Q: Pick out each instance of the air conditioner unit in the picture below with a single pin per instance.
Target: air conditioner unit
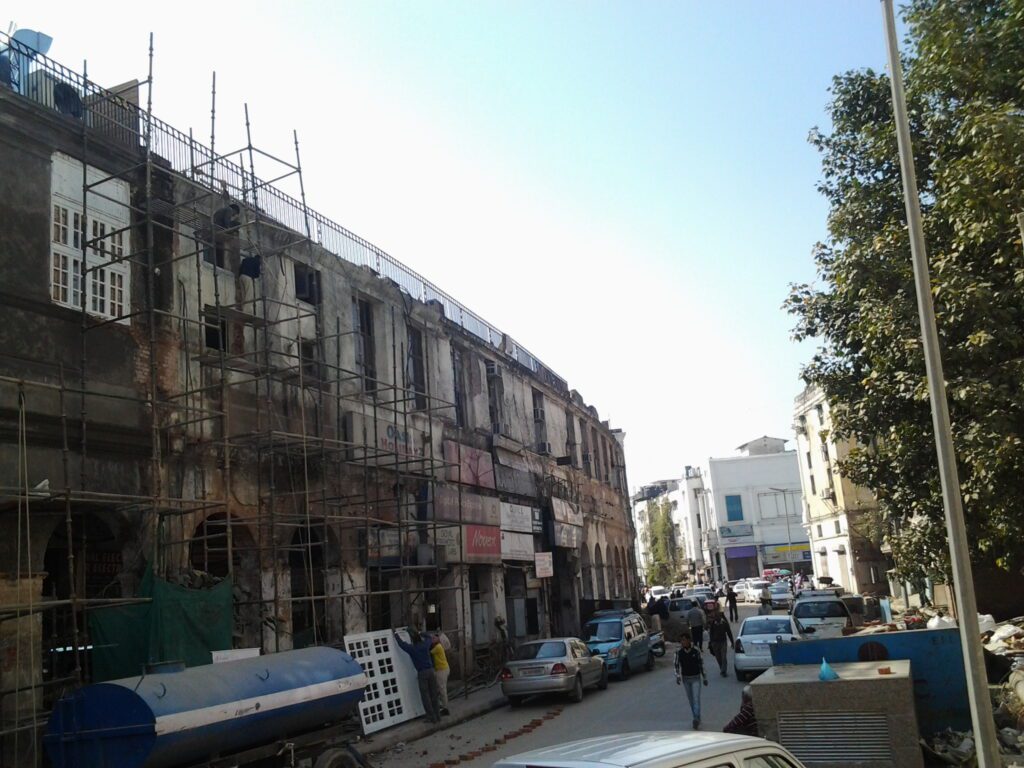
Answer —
(827, 494)
(538, 414)
(493, 371)
(544, 449)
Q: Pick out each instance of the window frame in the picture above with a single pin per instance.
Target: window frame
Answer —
(729, 510)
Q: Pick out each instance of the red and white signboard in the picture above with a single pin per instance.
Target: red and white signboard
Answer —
(544, 565)
(482, 543)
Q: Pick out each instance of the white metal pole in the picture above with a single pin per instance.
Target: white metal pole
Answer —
(959, 554)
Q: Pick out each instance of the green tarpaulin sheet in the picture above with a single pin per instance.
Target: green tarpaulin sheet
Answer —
(180, 624)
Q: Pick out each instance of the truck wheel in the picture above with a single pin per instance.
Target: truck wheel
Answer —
(336, 758)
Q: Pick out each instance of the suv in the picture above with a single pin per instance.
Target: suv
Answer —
(620, 638)
(825, 615)
(658, 749)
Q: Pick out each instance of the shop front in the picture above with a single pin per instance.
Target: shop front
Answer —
(795, 558)
(523, 595)
(741, 562)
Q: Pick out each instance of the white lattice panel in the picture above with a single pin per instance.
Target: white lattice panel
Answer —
(392, 694)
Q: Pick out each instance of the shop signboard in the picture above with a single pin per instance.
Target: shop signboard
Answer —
(543, 565)
(568, 536)
(384, 436)
(482, 543)
(786, 553)
(468, 465)
(382, 546)
(735, 531)
(735, 553)
(566, 512)
(516, 517)
(483, 510)
(516, 546)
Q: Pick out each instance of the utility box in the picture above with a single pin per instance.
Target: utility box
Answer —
(865, 718)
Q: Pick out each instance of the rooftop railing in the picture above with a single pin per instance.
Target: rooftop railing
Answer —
(117, 119)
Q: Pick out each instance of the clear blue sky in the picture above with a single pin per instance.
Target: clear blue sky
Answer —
(625, 188)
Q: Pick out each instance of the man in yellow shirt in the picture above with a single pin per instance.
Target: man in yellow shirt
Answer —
(441, 670)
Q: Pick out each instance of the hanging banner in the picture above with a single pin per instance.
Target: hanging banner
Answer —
(568, 536)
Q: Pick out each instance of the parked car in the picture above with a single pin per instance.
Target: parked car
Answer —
(557, 665)
(701, 594)
(824, 614)
(658, 592)
(781, 596)
(657, 749)
(620, 638)
(857, 608)
(754, 642)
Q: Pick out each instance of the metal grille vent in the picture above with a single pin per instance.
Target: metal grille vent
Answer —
(818, 737)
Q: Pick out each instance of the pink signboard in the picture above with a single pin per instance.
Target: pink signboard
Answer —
(468, 465)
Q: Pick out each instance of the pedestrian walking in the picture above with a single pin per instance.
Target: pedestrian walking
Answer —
(441, 671)
(719, 639)
(731, 599)
(695, 618)
(689, 668)
(419, 652)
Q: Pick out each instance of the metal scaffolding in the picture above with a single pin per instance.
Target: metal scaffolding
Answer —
(246, 385)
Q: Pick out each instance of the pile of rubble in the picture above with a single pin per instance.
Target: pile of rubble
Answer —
(1004, 652)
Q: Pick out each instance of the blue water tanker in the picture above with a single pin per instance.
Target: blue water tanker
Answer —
(179, 718)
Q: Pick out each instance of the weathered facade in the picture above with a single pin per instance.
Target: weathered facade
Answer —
(202, 379)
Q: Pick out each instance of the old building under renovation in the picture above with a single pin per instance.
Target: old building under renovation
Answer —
(227, 422)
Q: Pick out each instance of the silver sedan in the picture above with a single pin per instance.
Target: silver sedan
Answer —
(558, 665)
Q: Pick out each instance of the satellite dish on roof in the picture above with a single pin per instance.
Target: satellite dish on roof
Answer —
(36, 42)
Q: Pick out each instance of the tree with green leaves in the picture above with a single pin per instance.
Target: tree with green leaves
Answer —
(964, 67)
(664, 566)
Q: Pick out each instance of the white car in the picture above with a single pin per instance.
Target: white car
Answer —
(658, 749)
(659, 592)
(752, 590)
(754, 643)
(823, 615)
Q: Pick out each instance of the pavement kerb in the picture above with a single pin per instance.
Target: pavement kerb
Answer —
(411, 732)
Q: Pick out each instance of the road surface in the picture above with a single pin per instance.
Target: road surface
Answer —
(647, 701)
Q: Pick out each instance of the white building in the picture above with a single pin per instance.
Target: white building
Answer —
(837, 512)
(757, 519)
(693, 516)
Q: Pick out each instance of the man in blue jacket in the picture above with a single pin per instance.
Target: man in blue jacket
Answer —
(419, 653)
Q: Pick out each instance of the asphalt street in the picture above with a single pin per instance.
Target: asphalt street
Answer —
(647, 701)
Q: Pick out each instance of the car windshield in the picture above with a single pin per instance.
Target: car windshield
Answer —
(782, 588)
(549, 650)
(820, 609)
(757, 585)
(767, 626)
(600, 631)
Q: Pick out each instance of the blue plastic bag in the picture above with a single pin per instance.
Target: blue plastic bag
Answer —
(827, 673)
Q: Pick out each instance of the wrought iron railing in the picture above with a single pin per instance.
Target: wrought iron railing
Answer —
(117, 119)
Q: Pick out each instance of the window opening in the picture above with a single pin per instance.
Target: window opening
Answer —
(366, 355)
(415, 373)
(307, 284)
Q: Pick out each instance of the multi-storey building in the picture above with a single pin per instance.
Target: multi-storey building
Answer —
(837, 513)
(204, 381)
(757, 519)
(687, 501)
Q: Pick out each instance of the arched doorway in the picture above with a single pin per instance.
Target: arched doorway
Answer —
(98, 559)
(306, 563)
(599, 569)
(208, 552)
(587, 573)
(620, 571)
